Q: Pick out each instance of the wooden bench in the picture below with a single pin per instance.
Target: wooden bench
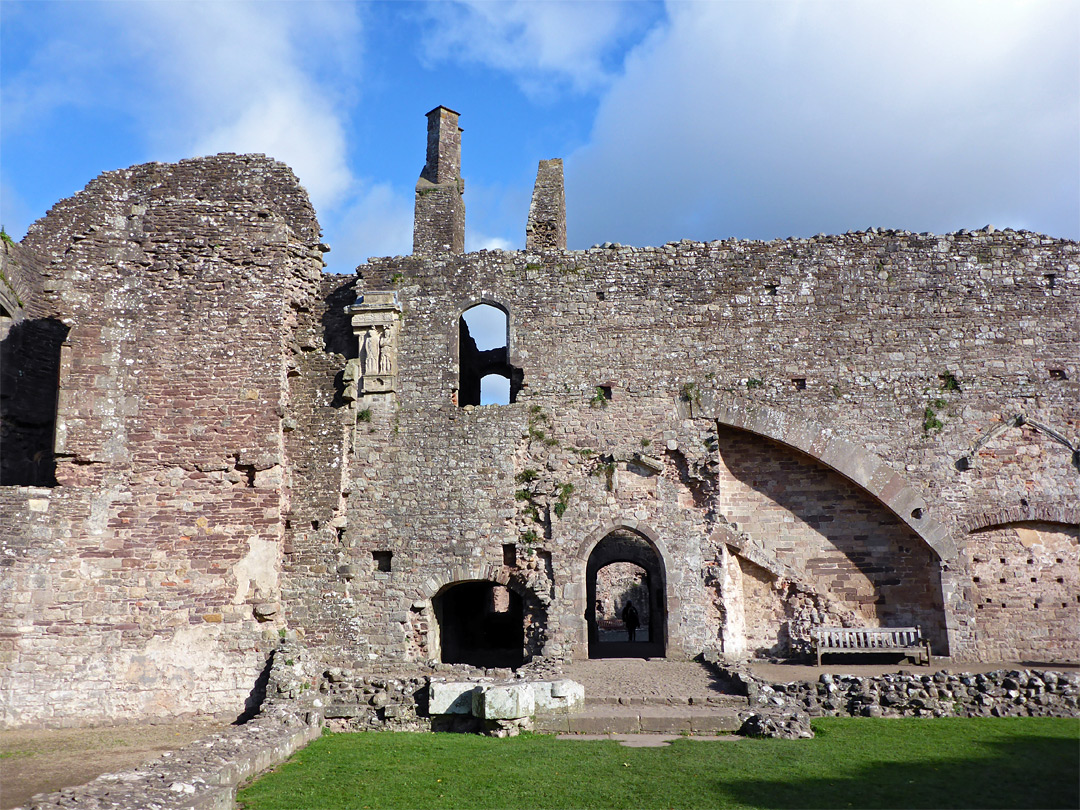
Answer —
(851, 640)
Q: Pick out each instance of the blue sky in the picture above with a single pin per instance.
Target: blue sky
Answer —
(680, 120)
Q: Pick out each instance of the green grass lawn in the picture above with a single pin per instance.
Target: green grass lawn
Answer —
(980, 763)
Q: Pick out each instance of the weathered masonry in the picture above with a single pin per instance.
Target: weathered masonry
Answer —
(208, 442)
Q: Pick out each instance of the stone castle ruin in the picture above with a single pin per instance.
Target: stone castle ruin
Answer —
(209, 444)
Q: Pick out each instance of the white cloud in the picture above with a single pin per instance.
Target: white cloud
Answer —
(537, 42)
(764, 120)
(240, 77)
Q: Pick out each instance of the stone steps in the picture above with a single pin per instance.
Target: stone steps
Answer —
(613, 718)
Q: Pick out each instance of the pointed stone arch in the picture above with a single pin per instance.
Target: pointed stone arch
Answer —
(857, 464)
(627, 541)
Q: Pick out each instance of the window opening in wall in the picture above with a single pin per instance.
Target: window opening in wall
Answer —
(1058, 374)
(604, 391)
(770, 289)
(510, 554)
(1051, 280)
(486, 376)
(29, 387)
(494, 390)
(382, 560)
(799, 383)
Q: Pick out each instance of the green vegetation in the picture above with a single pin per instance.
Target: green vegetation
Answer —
(753, 383)
(690, 393)
(949, 382)
(606, 469)
(364, 415)
(947, 763)
(599, 399)
(5, 237)
(397, 278)
(931, 423)
(565, 491)
(525, 476)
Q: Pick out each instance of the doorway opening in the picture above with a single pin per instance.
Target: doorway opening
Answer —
(625, 568)
(480, 623)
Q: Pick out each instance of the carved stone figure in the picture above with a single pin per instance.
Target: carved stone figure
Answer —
(371, 351)
(386, 352)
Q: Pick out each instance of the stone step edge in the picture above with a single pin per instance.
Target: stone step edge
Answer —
(721, 701)
(655, 721)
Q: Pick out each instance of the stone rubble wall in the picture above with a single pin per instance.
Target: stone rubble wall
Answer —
(847, 429)
(874, 337)
(147, 583)
(201, 776)
(546, 226)
(1002, 693)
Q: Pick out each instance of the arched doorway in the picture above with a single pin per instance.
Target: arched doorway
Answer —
(480, 623)
(625, 567)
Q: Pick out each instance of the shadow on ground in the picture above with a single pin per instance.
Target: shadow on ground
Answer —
(1028, 772)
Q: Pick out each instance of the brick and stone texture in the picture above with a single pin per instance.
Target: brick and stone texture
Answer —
(853, 429)
(147, 582)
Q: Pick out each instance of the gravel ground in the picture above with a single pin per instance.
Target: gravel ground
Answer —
(660, 679)
(656, 679)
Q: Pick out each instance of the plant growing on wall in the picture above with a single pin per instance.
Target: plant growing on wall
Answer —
(931, 422)
(690, 393)
(949, 382)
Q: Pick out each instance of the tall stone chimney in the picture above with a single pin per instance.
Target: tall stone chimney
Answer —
(546, 228)
(439, 218)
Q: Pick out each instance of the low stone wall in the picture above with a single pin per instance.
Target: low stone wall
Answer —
(201, 776)
(1003, 693)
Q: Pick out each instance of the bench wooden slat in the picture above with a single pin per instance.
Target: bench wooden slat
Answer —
(868, 639)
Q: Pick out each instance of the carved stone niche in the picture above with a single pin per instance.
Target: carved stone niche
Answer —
(375, 322)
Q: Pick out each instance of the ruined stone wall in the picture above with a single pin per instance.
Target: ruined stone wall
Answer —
(147, 581)
(1025, 589)
(839, 429)
(911, 347)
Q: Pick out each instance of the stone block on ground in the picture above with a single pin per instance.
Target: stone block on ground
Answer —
(452, 697)
(508, 702)
(558, 695)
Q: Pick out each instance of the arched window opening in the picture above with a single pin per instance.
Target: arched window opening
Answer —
(487, 378)
(625, 568)
(481, 624)
(494, 390)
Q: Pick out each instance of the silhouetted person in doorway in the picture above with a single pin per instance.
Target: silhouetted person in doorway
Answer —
(630, 619)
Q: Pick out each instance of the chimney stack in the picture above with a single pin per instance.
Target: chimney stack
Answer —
(439, 214)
